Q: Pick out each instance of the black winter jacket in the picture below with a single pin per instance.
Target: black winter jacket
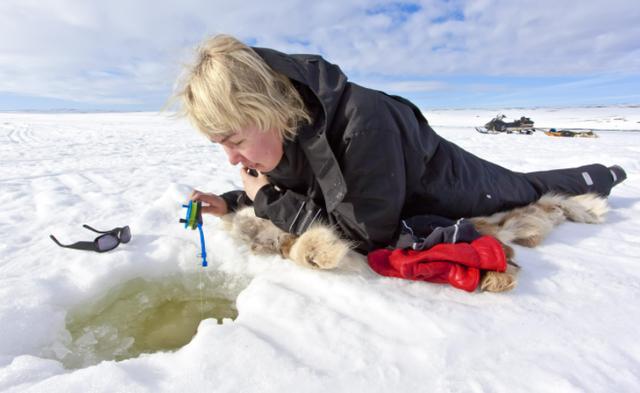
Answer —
(370, 159)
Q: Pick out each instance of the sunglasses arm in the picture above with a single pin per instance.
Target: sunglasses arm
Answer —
(90, 246)
(95, 230)
(57, 242)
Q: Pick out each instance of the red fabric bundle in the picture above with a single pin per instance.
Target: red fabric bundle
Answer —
(458, 264)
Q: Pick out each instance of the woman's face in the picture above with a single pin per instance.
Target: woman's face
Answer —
(253, 148)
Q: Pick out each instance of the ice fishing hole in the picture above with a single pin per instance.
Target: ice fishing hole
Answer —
(145, 316)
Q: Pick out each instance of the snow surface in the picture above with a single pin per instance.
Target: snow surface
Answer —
(569, 326)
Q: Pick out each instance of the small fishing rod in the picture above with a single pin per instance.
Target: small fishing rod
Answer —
(193, 220)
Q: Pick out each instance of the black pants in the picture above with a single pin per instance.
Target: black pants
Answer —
(460, 184)
(594, 178)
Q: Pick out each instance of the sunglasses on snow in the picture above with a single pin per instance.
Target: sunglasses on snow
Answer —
(105, 242)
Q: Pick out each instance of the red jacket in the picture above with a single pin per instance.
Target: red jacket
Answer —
(458, 264)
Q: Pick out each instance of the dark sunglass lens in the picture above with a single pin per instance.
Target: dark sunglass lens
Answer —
(125, 235)
(107, 242)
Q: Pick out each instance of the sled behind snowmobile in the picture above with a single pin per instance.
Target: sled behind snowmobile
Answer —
(569, 133)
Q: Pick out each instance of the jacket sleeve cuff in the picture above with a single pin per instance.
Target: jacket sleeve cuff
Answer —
(289, 211)
(236, 200)
(265, 196)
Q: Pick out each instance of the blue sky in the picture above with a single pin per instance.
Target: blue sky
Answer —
(127, 54)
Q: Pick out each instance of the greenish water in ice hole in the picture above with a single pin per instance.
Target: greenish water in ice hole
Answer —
(144, 316)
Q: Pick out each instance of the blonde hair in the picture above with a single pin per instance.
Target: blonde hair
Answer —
(231, 87)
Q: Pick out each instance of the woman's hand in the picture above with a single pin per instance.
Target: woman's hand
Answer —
(252, 184)
(211, 203)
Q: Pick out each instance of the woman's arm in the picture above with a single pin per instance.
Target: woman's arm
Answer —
(372, 162)
(217, 205)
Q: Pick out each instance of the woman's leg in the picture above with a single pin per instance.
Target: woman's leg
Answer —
(594, 178)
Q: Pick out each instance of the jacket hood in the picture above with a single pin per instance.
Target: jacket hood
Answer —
(327, 82)
(324, 79)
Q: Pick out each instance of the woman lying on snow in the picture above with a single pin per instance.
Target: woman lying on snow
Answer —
(328, 150)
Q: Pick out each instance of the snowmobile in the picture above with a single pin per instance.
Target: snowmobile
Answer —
(524, 125)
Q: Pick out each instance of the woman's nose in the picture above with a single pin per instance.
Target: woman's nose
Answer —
(234, 157)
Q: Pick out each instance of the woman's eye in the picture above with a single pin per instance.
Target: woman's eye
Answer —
(237, 143)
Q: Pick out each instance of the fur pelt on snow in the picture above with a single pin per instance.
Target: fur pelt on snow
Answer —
(529, 225)
(321, 247)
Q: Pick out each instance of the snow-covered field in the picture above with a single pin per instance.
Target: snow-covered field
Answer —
(570, 326)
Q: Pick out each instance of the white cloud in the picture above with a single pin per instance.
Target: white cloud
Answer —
(408, 86)
(127, 50)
